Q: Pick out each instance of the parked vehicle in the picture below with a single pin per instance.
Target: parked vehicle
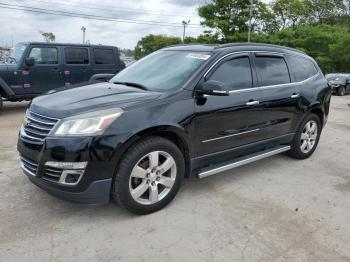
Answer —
(182, 110)
(340, 83)
(36, 68)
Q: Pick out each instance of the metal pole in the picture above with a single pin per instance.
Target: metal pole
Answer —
(184, 32)
(83, 29)
(250, 20)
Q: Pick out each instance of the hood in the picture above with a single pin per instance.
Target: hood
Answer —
(60, 104)
(8, 67)
(3, 67)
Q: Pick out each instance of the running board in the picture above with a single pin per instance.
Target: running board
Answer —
(242, 161)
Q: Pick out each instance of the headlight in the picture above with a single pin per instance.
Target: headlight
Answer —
(87, 124)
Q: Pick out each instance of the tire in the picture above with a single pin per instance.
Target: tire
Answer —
(1, 103)
(341, 91)
(298, 148)
(137, 173)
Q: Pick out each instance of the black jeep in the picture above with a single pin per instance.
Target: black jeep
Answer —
(35, 68)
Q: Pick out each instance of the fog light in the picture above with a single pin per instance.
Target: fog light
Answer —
(71, 177)
(67, 165)
(72, 172)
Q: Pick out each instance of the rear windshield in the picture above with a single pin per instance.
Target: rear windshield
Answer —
(336, 78)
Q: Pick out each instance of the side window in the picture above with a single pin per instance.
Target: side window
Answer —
(301, 68)
(272, 70)
(44, 55)
(235, 74)
(103, 56)
(76, 56)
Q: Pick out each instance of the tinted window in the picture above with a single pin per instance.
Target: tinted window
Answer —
(76, 56)
(301, 68)
(44, 55)
(272, 70)
(103, 56)
(235, 74)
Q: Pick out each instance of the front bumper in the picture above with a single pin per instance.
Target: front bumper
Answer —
(96, 194)
(95, 184)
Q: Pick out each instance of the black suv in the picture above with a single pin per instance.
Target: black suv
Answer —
(182, 110)
(340, 83)
(35, 68)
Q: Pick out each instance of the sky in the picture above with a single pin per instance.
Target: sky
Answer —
(19, 25)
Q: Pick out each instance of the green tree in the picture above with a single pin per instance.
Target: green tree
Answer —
(48, 36)
(228, 17)
(151, 43)
(290, 12)
(322, 10)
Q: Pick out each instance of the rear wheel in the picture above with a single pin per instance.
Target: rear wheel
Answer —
(306, 138)
(149, 175)
(341, 91)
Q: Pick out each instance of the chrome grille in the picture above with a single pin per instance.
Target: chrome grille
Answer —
(37, 127)
(29, 166)
(52, 174)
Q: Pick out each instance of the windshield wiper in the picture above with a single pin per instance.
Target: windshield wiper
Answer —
(132, 84)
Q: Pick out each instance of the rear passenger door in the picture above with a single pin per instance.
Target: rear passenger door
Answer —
(77, 67)
(104, 61)
(279, 96)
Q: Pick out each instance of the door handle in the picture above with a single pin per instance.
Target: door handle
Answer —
(295, 96)
(252, 103)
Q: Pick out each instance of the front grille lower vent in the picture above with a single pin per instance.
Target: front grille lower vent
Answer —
(30, 166)
(52, 174)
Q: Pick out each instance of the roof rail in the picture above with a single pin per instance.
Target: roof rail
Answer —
(256, 44)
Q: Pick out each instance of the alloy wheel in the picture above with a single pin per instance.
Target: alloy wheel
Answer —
(152, 178)
(308, 137)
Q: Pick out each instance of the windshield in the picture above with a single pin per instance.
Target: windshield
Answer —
(18, 51)
(162, 71)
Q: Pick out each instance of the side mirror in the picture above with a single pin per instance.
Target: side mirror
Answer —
(212, 88)
(101, 77)
(30, 61)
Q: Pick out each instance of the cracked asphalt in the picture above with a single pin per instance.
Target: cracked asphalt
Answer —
(277, 209)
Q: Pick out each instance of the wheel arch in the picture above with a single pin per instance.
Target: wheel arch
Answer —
(5, 90)
(319, 112)
(172, 133)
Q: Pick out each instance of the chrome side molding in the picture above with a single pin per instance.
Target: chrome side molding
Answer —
(243, 161)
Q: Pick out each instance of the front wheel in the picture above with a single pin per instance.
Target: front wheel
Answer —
(149, 175)
(306, 138)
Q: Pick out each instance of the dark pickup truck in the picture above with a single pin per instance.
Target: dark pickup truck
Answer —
(35, 68)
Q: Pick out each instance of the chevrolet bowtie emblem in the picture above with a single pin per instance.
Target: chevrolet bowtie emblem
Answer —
(25, 121)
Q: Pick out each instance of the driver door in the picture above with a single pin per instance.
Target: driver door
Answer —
(46, 73)
(227, 122)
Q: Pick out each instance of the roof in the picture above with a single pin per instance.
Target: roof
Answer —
(233, 47)
(64, 44)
